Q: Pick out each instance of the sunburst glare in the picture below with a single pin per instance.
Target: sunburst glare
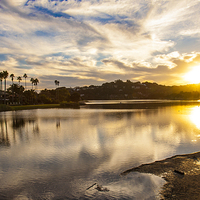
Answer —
(193, 75)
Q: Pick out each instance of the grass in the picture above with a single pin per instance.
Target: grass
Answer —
(66, 104)
(40, 106)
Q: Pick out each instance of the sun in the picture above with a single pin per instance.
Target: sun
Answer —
(193, 76)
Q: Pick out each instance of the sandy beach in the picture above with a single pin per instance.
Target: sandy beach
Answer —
(181, 173)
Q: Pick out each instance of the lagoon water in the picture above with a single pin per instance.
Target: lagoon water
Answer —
(59, 153)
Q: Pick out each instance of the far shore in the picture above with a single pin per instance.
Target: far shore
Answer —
(181, 173)
(140, 104)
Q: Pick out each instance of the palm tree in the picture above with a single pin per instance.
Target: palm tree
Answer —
(36, 81)
(1, 79)
(12, 78)
(57, 83)
(19, 78)
(25, 76)
(32, 81)
(5, 75)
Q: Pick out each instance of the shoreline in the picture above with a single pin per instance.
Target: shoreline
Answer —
(181, 173)
(4, 108)
(140, 104)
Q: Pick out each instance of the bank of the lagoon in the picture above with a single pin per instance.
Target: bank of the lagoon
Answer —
(60, 153)
(4, 107)
(138, 103)
(181, 172)
(106, 104)
(29, 107)
(38, 106)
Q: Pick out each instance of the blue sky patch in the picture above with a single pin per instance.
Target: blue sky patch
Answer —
(60, 54)
(26, 4)
(51, 13)
(3, 57)
(43, 34)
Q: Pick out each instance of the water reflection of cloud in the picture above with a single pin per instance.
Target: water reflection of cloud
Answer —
(91, 143)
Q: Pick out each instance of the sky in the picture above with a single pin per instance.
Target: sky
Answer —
(82, 42)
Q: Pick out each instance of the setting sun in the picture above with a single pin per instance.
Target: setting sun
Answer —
(193, 76)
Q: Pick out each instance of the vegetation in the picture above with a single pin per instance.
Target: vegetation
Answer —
(19, 98)
(4, 107)
(137, 90)
(17, 94)
(66, 104)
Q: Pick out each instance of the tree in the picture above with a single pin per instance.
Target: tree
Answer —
(36, 81)
(63, 94)
(25, 76)
(19, 78)
(5, 75)
(75, 97)
(12, 78)
(16, 88)
(57, 83)
(1, 79)
(32, 82)
(30, 96)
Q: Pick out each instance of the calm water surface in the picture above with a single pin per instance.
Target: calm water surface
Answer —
(59, 153)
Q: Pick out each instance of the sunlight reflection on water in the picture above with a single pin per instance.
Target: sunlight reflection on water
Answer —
(58, 153)
(195, 116)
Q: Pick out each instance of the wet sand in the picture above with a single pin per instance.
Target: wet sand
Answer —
(181, 173)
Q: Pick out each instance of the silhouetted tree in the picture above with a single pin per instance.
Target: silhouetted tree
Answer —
(36, 81)
(5, 75)
(1, 79)
(75, 97)
(25, 76)
(12, 78)
(19, 78)
(57, 84)
(32, 82)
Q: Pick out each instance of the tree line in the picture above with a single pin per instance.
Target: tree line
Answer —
(120, 90)
(19, 94)
(16, 93)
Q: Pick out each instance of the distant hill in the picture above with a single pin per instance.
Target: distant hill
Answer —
(137, 90)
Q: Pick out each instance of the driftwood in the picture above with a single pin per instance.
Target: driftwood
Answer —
(91, 186)
(102, 189)
(178, 172)
(99, 188)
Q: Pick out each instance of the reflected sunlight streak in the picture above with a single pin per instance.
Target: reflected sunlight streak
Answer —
(195, 116)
